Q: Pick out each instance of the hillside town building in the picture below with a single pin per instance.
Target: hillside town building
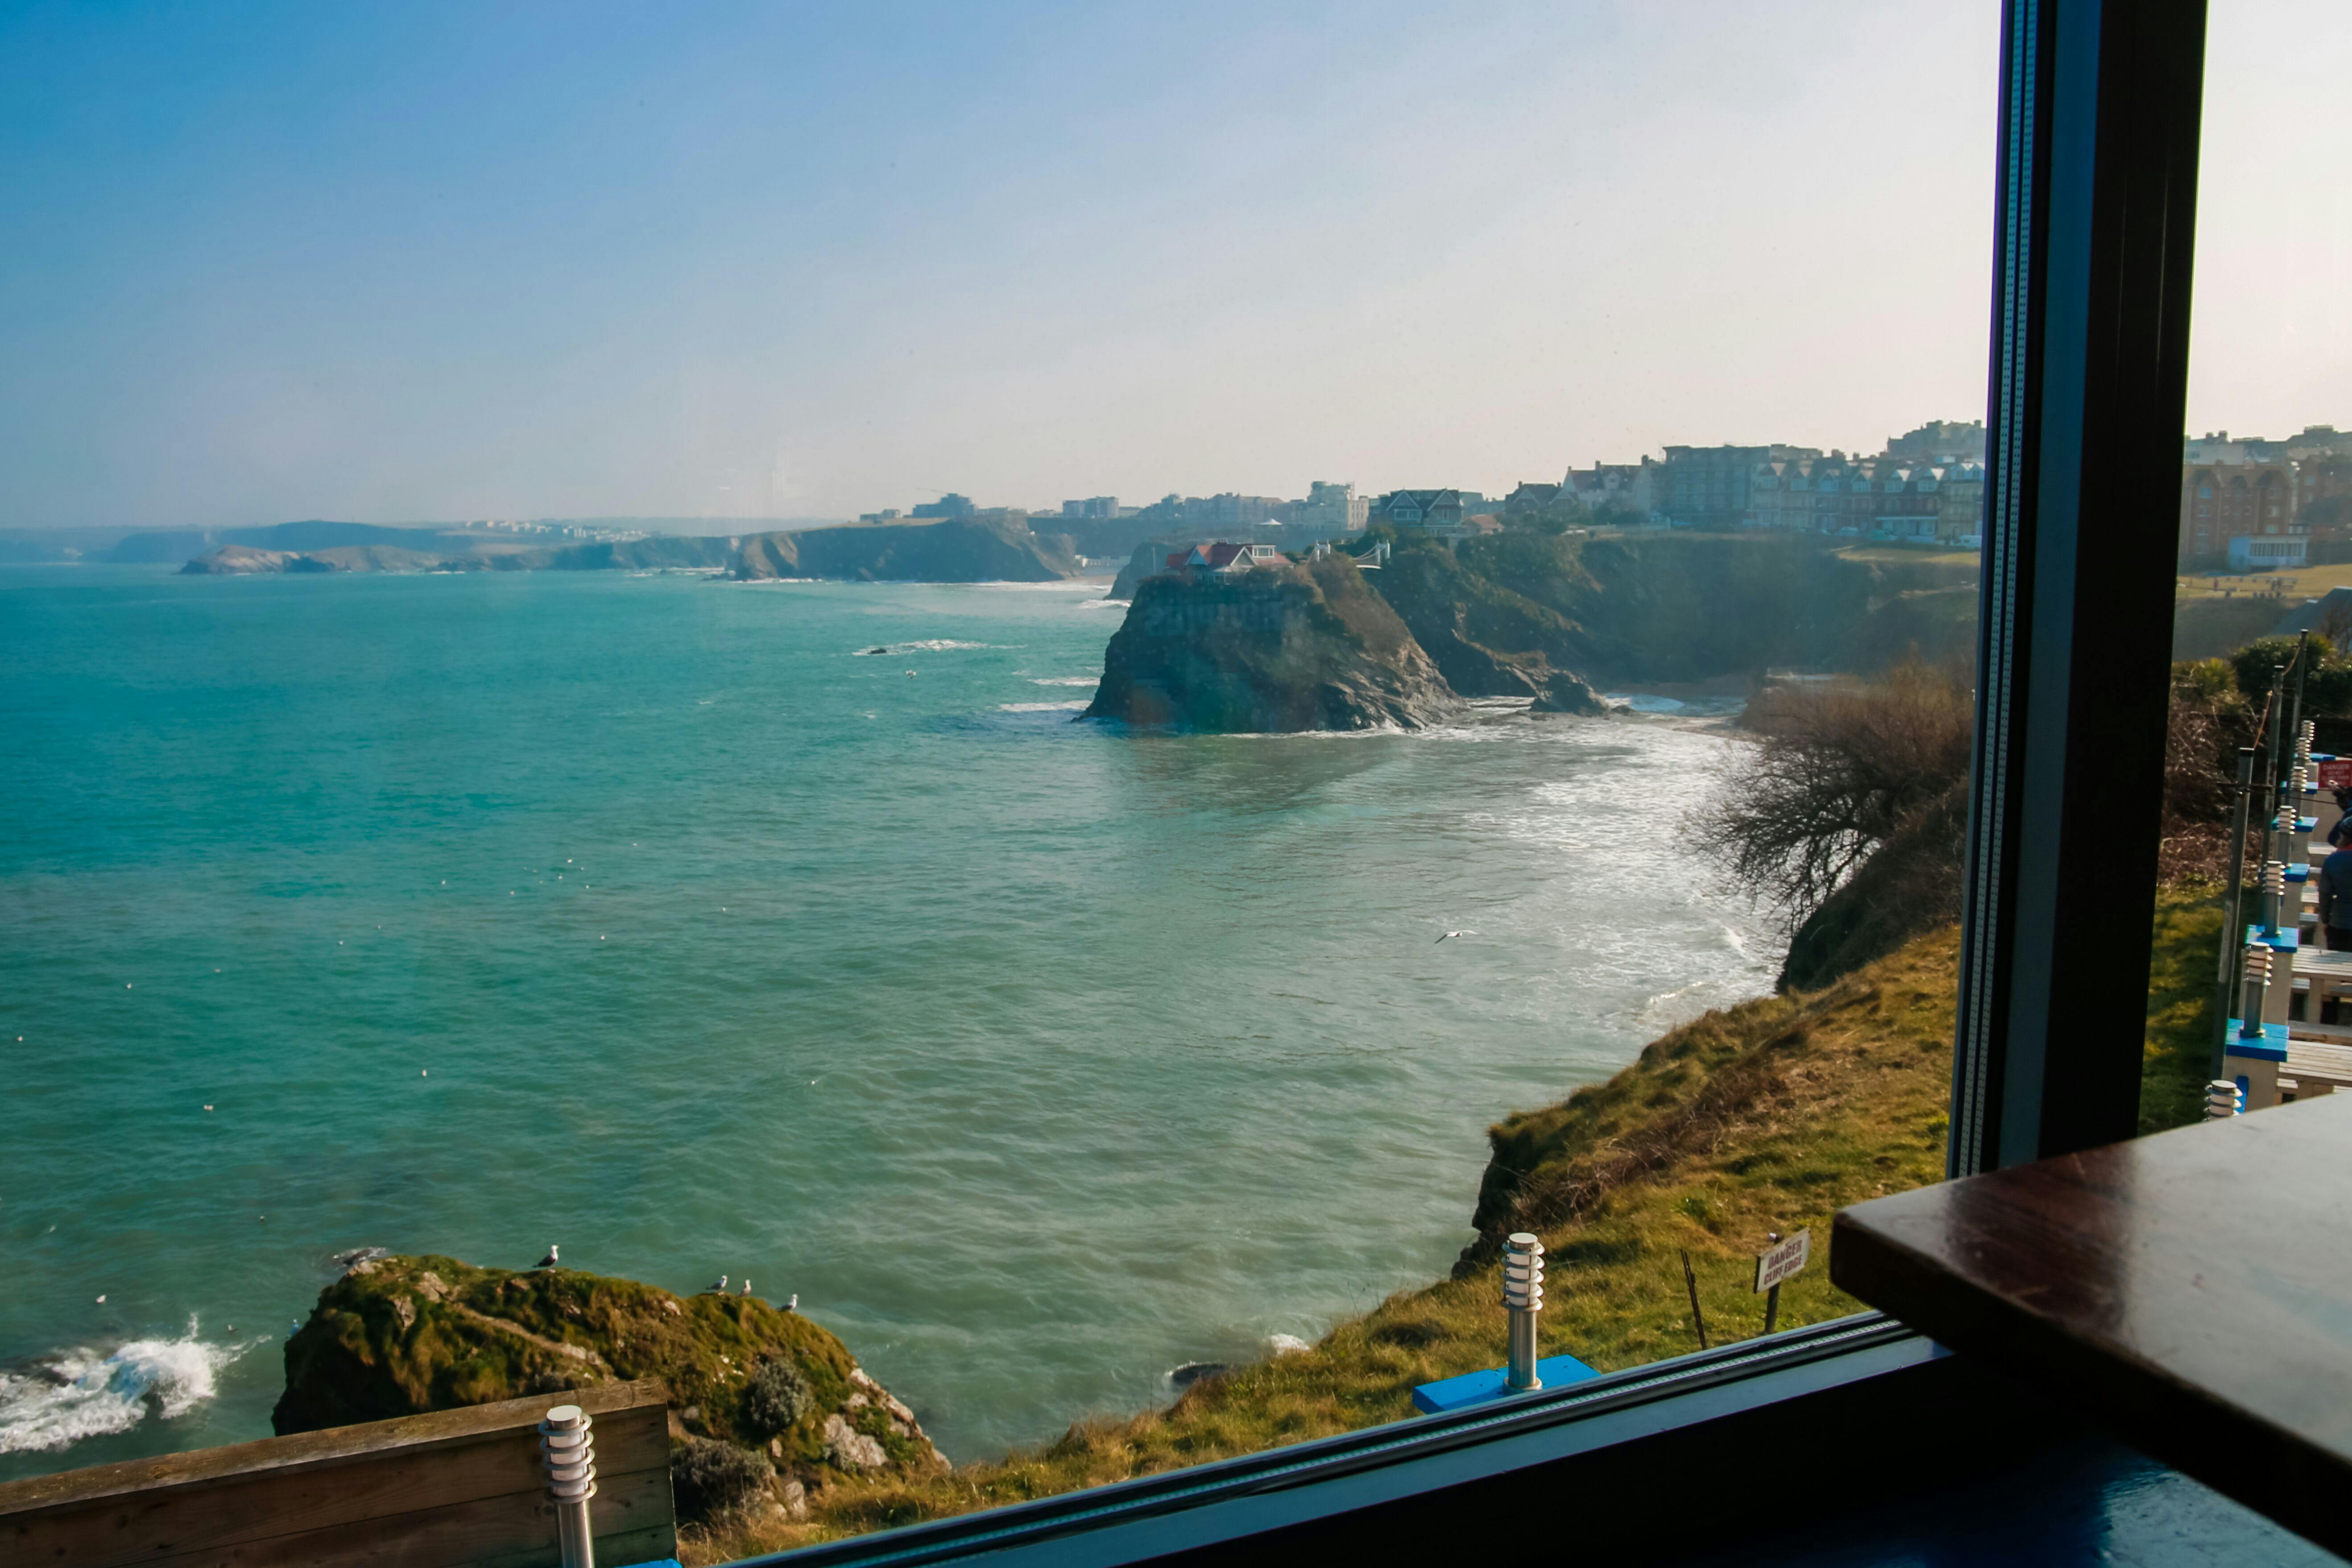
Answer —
(1334, 509)
(1707, 486)
(1870, 497)
(1223, 559)
(1435, 512)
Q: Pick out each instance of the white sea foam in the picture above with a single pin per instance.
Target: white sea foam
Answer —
(65, 1396)
(1105, 604)
(1287, 1344)
(1039, 707)
(1065, 681)
(927, 644)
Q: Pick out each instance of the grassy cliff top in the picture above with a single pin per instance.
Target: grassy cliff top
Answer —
(1771, 1115)
(398, 1336)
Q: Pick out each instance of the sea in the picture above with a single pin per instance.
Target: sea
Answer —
(796, 933)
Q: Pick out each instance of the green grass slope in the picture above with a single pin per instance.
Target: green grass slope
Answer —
(1766, 1116)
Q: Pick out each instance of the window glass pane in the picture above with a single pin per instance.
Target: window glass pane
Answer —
(988, 733)
(2267, 570)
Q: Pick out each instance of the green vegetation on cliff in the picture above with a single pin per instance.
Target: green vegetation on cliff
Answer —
(765, 1404)
(1770, 1115)
(1672, 606)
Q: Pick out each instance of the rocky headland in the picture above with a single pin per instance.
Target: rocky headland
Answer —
(1297, 645)
(1541, 616)
(766, 1407)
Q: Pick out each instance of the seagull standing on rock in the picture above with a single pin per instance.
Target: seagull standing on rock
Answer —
(746, 1285)
(548, 1261)
(721, 1286)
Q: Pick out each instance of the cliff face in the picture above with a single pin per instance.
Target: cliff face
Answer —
(1684, 606)
(242, 561)
(400, 1336)
(1279, 649)
(1486, 639)
(954, 550)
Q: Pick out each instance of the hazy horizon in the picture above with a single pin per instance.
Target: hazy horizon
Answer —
(435, 263)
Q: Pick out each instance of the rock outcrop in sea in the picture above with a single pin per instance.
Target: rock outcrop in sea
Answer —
(765, 1406)
(1305, 646)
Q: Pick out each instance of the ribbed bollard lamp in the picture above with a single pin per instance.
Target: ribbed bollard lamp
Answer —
(2257, 979)
(1523, 1297)
(570, 1459)
(2221, 1100)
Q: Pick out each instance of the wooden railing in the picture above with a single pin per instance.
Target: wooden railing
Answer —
(458, 1489)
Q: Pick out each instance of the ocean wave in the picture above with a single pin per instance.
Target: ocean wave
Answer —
(927, 644)
(1105, 604)
(1039, 707)
(1065, 681)
(59, 1399)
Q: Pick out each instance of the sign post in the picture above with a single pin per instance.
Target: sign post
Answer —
(1781, 1260)
(1698, 1318)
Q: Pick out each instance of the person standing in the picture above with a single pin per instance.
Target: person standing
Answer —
(2336, 898)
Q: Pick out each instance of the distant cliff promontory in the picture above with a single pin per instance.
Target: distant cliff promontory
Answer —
(955, 549)
(1305, 646)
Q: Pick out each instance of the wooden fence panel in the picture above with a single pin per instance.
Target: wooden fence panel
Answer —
(451, 1489)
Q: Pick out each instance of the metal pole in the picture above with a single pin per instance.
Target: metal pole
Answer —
(1523, 1299)
(2232, 934)
(2294, 715)
(1698, 1318)
(571, 1457)
(2277, 716)
(2258, 980)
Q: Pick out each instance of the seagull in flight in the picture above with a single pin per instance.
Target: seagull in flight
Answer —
(1441, 939)
(548, 1261)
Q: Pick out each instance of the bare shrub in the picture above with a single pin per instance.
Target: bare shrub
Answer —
(1839, 772)
(709, 1478)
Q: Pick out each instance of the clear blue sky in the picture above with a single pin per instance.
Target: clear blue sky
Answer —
(433, 261)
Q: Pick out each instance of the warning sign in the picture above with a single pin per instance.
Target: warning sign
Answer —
(2336, 774)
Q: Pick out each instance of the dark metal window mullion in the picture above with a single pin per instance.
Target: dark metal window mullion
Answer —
(2088, 387)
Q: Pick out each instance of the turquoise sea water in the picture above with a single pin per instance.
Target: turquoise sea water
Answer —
(649, 917)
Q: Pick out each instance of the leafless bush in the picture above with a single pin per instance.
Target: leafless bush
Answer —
(1840, 773)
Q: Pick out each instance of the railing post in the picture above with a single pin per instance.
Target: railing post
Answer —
(2234, 934)
(1523, 1297)
(571, 1457)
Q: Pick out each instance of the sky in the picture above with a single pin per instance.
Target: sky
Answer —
(442, 261)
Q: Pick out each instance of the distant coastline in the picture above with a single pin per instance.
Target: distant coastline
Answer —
(946, 550)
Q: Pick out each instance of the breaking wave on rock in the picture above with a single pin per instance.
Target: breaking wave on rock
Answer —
(55, 1400)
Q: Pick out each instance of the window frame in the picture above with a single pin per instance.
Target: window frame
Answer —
(2098, 142)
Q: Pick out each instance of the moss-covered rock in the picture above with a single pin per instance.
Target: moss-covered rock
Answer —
(400, 1336)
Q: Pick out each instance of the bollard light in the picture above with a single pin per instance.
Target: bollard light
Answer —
(1523, 1297)
(2257, 979)
(571, 1458)
(2222, 1100)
